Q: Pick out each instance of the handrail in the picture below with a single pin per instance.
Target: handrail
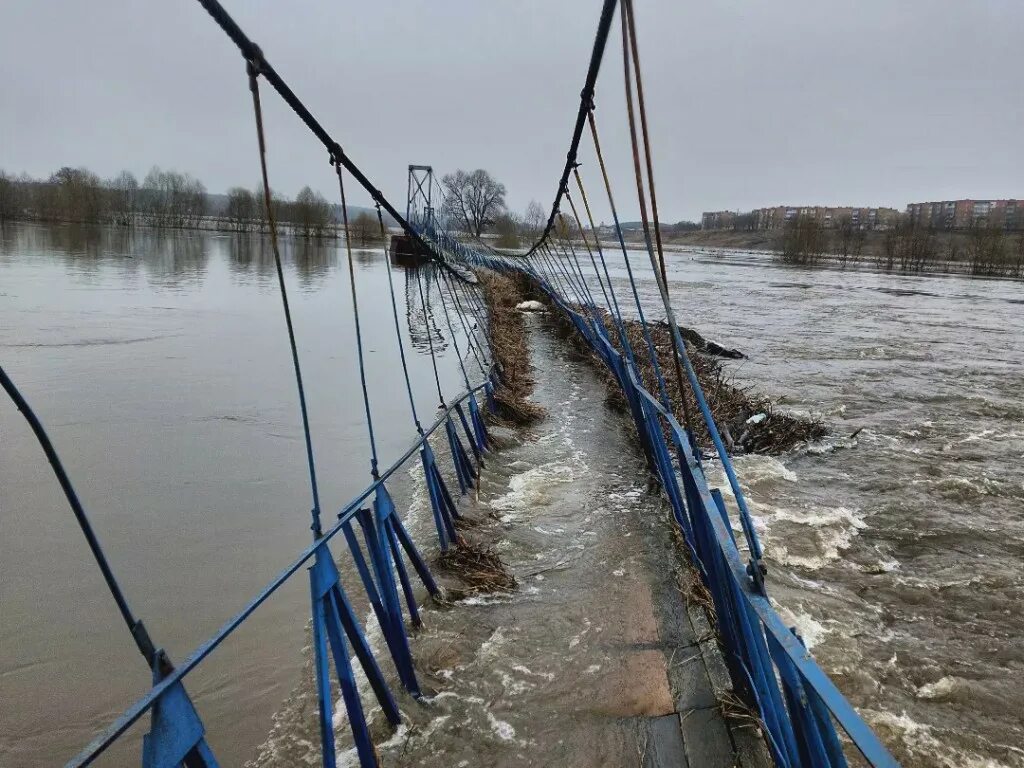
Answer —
(863, 738)
(142, 705)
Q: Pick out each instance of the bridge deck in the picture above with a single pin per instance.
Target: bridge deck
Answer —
(597, 659)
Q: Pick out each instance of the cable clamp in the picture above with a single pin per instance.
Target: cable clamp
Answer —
(757, 570)
(254, 61)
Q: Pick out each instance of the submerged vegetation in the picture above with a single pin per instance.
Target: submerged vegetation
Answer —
(172, 200)
(748, 422)
(905, 246)
(508, 342)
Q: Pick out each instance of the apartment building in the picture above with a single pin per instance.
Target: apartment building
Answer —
(717, 220)
(965, 214)
(829, 217)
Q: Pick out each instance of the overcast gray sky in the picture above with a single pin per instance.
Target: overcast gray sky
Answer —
(751, 102)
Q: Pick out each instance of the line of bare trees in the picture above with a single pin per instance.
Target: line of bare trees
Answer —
(906, 246)
(167, 198)
(308, 215)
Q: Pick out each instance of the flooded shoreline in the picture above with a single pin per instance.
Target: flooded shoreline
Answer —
(159, 363)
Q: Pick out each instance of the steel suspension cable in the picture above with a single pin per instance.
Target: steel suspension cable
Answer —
(590, 253)
(571, 262)
(254, 55)
(465, 329)
(135, 625)
(355, 319)
(609, 294)
(659, 274)
(586, 103)
(652, 352)
(474, 309)
(681, 357)
(254, 72)
(567, 242)
(430, 341)
(451, 331)
(398, 327)
(627, 346)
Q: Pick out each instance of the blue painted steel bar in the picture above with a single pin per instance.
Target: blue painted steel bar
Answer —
(795, 699)
(103, 740)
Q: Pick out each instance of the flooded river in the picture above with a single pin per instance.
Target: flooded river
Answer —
(898, 553)
(161, 366)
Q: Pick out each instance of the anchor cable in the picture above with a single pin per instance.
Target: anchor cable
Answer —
(135, 625)
(253, 71)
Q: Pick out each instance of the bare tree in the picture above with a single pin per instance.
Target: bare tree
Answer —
(77, 195)
(241, 209)
(804, 241)
(536, 218)
(310, 213)
(12, 197)
(507, 226)
(123, 197)
(172, 199)
(364, 229)
(908, 246)
(473, 199)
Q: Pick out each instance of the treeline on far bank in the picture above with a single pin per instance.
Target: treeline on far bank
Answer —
(170, 199)
(906, 246)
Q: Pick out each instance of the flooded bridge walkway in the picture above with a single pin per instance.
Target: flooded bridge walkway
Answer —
(596, 659)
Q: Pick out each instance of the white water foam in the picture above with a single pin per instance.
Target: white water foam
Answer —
(530, 489)
(809, 628)
(920, 740)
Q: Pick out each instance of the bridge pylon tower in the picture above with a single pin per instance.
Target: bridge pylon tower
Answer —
(419, 193)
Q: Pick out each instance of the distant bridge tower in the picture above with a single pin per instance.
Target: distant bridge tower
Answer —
(419, 193)
(419, 211)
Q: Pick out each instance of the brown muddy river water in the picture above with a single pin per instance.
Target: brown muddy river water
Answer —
(161, 367)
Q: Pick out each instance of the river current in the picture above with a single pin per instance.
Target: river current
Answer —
(160, 365)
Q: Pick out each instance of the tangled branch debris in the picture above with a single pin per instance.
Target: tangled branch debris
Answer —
(508, 342)
(478, 567)
(748, 422)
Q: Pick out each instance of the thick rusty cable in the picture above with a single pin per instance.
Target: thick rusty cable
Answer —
(586, 244)
(628, 5)
(652, 352)
(586, 102)
(272, 222)
(659, 273)
(682, 359)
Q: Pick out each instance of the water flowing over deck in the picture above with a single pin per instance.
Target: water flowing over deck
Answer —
(796, 705)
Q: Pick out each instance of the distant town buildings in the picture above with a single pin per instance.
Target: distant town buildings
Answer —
(965, 214)
(828, 216)
(717, 220)
(946, 214)
(779, 216)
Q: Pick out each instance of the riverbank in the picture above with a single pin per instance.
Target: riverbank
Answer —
(904, 251)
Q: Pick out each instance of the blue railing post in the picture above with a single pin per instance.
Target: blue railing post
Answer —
(333, 619)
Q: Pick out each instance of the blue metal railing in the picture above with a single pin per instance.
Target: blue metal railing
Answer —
(768, 663)
(177, 735)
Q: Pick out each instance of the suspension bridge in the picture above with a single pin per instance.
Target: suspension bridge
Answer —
(805, 720)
